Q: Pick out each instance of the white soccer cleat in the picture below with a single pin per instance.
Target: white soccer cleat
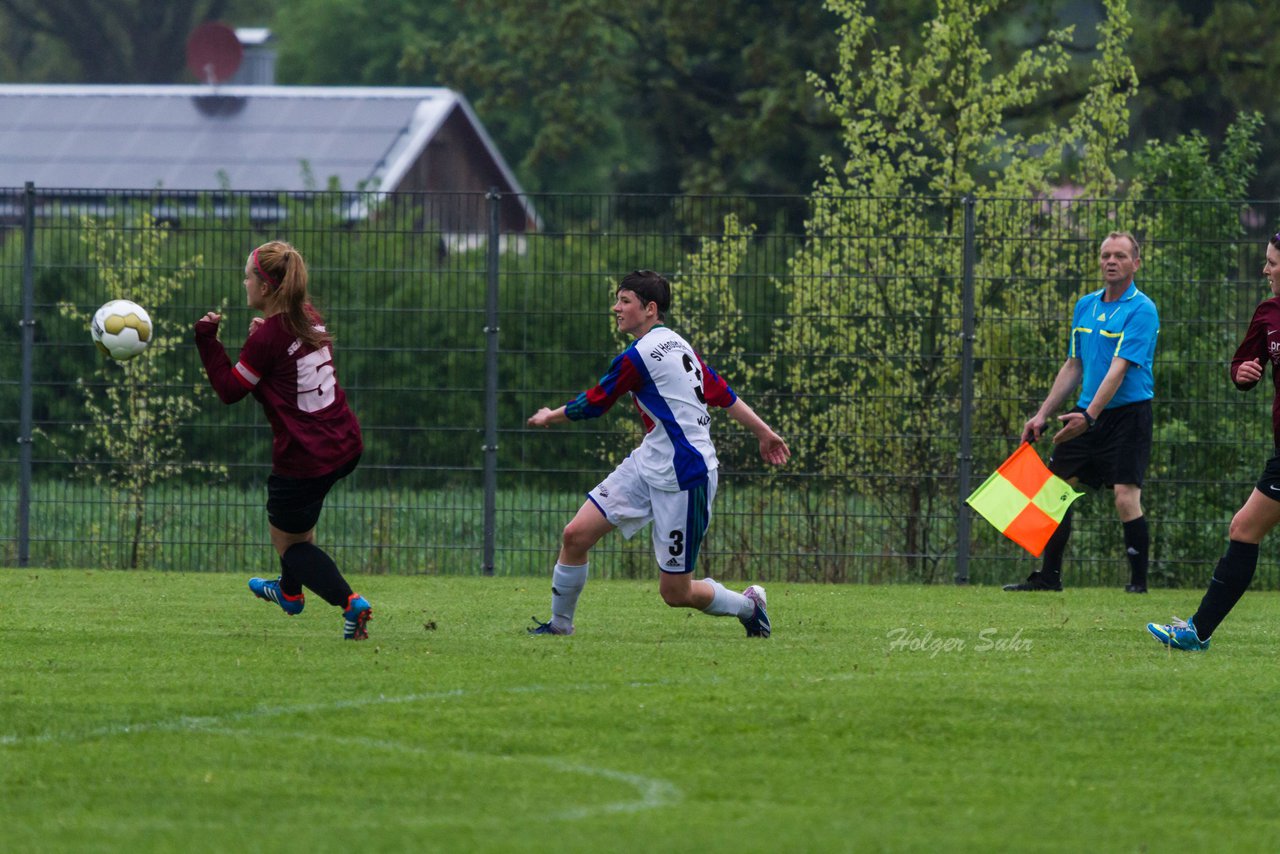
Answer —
(757, 625)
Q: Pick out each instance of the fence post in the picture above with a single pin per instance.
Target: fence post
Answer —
(28, 324)
(490, 447)
(966, 392)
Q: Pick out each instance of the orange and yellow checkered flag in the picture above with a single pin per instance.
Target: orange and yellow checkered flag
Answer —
(1024, 500)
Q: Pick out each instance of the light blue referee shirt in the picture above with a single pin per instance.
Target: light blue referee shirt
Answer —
(1127, 328)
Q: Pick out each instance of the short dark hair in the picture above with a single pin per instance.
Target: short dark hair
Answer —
(1275, 240)
(649, 287)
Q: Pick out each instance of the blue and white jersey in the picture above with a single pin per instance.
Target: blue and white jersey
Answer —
(1127, 328)
(672, 387)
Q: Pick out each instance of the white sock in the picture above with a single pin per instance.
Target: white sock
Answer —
(727, 603)
(566, 585)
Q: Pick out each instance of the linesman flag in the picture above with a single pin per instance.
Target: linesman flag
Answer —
(1024, 500)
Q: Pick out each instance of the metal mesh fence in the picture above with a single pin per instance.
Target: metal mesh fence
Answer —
(897, 344)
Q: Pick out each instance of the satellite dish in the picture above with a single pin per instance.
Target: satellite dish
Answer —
(213, 52)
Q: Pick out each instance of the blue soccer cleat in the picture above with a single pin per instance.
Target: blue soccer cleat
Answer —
(271, 592)
(1179, 635)
(757, 625)
(541, 628)
(356, 617)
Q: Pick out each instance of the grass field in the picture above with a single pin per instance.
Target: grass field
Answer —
(168, 711)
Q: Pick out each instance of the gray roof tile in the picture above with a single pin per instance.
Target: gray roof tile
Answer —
(190, 137)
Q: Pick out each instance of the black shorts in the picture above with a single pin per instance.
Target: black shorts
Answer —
(1269, 483)
(1116, 450)
(294, 503)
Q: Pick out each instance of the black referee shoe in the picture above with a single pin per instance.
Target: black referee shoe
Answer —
(1036, 581)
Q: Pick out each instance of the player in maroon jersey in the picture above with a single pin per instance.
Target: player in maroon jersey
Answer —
(1261, 511)
(287, 364)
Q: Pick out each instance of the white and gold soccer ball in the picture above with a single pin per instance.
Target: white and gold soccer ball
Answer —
(121, 329)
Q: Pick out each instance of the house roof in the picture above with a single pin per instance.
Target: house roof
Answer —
(226, 137)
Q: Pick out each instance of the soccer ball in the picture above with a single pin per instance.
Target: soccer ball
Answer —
(121, 329)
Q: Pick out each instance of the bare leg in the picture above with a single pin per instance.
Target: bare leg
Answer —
(681, 591)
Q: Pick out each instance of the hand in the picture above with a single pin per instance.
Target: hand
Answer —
(541, 418)
(1073, 424)
(1249, 372)
(1034, 428)
(207, 326)
(773, 450)
(255, 323)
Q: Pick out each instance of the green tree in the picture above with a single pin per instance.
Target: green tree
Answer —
(698, 98)
(599, 95)
(1203, 64)
(369, 43)
(137, 408)
(873, 319)
(1200, 64)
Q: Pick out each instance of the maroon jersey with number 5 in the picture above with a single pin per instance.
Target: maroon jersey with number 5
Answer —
(314, 431)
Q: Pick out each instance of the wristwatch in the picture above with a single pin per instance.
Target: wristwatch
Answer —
(1089, 420)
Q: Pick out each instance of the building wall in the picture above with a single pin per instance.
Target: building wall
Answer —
(454, 162)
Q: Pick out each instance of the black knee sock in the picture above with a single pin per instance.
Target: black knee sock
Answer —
(310, 565)
(1230, 580)
(290, 583)
(1137, 546)
(1051, 568)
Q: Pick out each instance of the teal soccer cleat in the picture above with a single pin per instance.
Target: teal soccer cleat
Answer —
(356, 617)
(271, 592)
(1179, 635)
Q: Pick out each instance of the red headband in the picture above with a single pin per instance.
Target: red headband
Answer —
(263, 273)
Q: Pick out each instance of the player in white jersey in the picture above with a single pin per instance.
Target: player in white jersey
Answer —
(670, 480)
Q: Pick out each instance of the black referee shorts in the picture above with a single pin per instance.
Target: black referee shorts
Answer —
(1116, 450)
(294, 503)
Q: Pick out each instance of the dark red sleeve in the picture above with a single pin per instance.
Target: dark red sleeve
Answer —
(1266, 319)
(216, 364)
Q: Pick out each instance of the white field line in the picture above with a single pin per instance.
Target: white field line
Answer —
(651, 792)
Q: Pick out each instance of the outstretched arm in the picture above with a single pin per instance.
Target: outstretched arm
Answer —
(772, 448)
(545, 417)
(621, 378)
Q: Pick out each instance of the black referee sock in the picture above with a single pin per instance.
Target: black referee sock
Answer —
(1051, 568)
(1231, 578)
(1137, 546)
(311, 566)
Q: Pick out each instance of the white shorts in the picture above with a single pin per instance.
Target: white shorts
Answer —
(679, 518)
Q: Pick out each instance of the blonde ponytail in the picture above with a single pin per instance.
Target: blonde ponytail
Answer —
(280, 266)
